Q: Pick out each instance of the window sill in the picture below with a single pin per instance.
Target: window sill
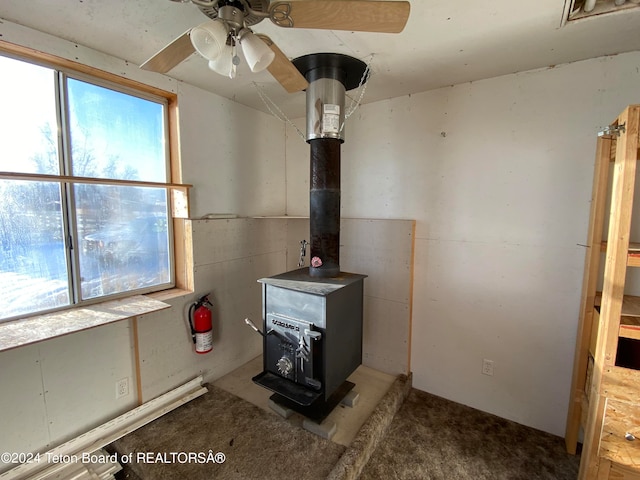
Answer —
(170, 294)
(35, 329)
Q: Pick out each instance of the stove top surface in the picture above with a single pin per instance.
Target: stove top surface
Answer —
(300, 280)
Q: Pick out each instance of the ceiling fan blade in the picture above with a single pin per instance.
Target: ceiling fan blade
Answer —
(283, 70)
(354, 15)
(171, 55)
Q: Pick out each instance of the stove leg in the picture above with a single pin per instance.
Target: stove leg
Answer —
(281, 410)
(350, 399)
(325, 429)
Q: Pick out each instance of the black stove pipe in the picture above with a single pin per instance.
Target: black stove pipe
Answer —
(324, 207)
(329, 75)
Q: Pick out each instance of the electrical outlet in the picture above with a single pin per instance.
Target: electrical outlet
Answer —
(122, 387)
(487, 367)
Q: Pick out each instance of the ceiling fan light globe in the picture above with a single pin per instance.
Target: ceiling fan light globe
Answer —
(209, 38)
(222, 65)
(258, 55)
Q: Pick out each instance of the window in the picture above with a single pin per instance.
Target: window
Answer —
(84, 172)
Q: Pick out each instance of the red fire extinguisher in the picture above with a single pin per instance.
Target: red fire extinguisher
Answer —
(201, 327)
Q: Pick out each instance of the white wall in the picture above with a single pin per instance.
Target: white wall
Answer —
(497, 174)
(55, 390)
(231, 154)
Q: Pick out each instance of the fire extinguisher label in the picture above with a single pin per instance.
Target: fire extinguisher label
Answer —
(204, 342)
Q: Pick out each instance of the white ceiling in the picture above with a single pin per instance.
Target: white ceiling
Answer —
(445, 42)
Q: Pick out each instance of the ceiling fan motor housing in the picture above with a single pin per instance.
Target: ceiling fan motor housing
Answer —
(250, 19)
(329, 75)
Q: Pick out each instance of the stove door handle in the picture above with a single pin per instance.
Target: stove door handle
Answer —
(253, 325)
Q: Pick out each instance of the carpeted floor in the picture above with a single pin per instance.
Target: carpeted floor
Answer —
(432, 438)
(256, 444)
(428, 439)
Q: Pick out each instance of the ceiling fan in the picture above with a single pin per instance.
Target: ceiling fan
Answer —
(218, 39)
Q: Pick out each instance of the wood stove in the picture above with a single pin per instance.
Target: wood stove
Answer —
(312, 339)
(312, 317)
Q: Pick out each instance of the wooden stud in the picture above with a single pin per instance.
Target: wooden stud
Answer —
(633, 256)
(589, 286)
(585, 403)
(595, 322)
(136, 359)
(604, 470)
(411, 274)
(184, 263)
(180, 202)
(618, 238)
(613, 151)
(589, 461)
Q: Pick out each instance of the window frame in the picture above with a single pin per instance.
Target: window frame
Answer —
(181, 281)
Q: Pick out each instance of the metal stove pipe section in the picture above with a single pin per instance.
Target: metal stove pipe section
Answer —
(325, 104)
(329, 76)
(324, 207)
(325, 115)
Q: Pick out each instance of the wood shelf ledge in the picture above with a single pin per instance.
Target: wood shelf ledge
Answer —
(630, 319)
(630, 327)
(620, 417)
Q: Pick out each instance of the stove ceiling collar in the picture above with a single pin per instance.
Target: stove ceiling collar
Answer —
(330, 75)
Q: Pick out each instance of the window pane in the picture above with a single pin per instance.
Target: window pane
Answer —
(33, 264)
(28, 125)
(115, 135)
(124, 239)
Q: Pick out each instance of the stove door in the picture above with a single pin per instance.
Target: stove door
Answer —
(290, 344)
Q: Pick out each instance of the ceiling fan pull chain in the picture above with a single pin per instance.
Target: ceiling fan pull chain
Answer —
(235, 60)
(280, 115)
